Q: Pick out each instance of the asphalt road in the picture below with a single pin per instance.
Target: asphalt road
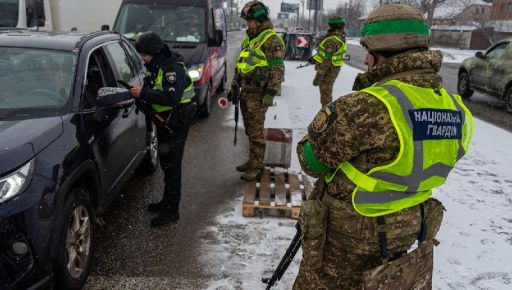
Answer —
(485, 108)
(131, 255)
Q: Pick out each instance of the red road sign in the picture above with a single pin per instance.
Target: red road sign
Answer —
(302, 41)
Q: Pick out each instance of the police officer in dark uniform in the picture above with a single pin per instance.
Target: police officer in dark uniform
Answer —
(169, 91)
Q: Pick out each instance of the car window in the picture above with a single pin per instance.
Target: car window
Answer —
(99, 75)
(135, 61)
(498, 51)
(120, 61)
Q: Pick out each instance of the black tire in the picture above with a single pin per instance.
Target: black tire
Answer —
(150, 163)
(203, 110)
(464, 86)
(77, 214)
(222, 86)
(508, 99)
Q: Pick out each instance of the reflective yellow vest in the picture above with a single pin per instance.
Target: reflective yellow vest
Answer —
(337, 57)
(434, 132)
(252, 56)
(188, 93)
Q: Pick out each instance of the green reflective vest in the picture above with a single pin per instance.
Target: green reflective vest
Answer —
(434, 132)
(188, 93)
(252, 56)
(337, 57)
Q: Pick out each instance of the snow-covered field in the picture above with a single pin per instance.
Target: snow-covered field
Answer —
(450, 55)
(476, 235)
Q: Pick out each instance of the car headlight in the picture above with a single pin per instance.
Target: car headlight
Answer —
(196, 72)
(14, 183)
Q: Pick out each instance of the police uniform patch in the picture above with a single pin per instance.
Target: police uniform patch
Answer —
(171, 77)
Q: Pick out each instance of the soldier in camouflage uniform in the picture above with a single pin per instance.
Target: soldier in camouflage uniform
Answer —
(261, 70)
(339, 243)
(329, 59)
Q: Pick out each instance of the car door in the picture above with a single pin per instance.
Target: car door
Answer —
(106, 127)
(500, 67)
(135, 134)
(482, 73)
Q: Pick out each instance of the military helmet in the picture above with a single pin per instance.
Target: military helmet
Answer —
(149, 43)
(255, 10)
(336, 21)
(395, 27)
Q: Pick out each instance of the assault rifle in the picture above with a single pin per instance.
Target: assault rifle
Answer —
(235, 99)
(146, 108)
(285, 261)
(346, 58)
(304, 65)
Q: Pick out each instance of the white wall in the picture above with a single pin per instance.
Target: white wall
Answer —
(85, 15)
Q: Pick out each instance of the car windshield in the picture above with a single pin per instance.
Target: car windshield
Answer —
(9, 13)
(171, 22)
(34, 80)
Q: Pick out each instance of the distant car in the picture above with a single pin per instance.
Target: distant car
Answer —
(63, 157)
(489, 73)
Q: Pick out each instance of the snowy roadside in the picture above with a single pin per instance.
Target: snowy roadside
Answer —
(476, 236)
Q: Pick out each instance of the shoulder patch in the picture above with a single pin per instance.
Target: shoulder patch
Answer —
(320, 122)
(171, 77)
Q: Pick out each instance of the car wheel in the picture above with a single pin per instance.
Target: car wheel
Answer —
(150, 163)
(508, 99)
(463, 85)
(222, 86)
(76, 241)
(203, 110)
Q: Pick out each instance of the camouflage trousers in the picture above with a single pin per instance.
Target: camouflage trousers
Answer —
(352, 243)
(253, 113)
(326, 84)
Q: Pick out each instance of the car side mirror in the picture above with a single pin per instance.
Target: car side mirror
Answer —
(114, 97)
(218, 38)
(105, 27)
(479, 54)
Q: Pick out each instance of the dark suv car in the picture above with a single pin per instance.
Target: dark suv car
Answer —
(489, 73)
(63, 157)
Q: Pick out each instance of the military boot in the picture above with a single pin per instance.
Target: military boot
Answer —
(158, 207)
(165, 218)
(251, 174)
(244, 167)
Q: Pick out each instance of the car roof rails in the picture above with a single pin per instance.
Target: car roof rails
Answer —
(90, 36)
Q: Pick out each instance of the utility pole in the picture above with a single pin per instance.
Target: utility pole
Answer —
(302, 19)
(309, 19)
(314, 17)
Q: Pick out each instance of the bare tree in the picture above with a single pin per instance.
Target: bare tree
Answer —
(351, 11)
(429, 7)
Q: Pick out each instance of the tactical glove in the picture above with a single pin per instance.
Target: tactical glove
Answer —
(268, 100)
(311, 60)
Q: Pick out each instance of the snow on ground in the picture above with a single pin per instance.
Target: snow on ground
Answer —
(450, 55)
(455, 55)
(476, 235)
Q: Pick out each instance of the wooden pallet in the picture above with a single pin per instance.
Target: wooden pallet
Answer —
(276, 189)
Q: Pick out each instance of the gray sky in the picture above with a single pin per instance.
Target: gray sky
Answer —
(275, 5)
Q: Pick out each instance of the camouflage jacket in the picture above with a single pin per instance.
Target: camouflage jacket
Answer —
(265, 80)
(331, 46)
(360, 131)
